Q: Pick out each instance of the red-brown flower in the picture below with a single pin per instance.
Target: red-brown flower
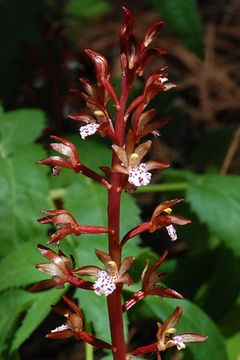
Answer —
(60, 268)
(150, 278)
(161, 217)
(74, 326)
(107, 279)
(67, 225)
(167, 339)
(99, 120)
(70, 161)
(132, 165)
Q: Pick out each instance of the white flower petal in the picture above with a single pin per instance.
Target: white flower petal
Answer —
(105, 284)
(139, 176)
(178, 342)
(60, 328)
(172, 232)
(89, 129)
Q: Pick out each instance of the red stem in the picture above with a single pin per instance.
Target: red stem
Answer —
(114, 203)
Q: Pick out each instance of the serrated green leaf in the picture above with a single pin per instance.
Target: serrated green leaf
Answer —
(18, 267)
(19, 128)
(23, 193)
(12, 303)
(183, 19)
(192, 320)
(216, 200)
(39, 309)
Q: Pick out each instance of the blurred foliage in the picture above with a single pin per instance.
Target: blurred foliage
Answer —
(207, 272)
(183, 20)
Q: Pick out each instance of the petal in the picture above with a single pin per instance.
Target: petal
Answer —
(151, 165)
(105, 284)
(60, 334)
(82, 117)
(125, 265)
(139, 176)
(171, 232)
(88, 270)
(88, 130)
(152, 33)
(173, 319)
(121, 154)
(142, 149)
(190, 337)
(164, 205)
(103, 257)
(101, 64)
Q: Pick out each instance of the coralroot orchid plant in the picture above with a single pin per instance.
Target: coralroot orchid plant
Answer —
(129, 170)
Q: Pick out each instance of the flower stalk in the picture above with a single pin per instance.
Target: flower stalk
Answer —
(128, 171)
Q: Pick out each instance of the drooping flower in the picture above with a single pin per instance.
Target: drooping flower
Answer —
(107, 279)
(99, 120)
(70, 160)
(67, 225)
(60, 268)
(166, 338)
(74, 326)
(149, 279)
(162, 217)
(132, 165)
(166, 331)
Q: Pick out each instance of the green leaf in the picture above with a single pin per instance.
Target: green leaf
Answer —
(23, 192)
(192, 320)
(19, 128)
(18, 267)
(36, 313)
(216, 200)
(213, 300)
(233, 349)
(95, 312)
(184, 21)
(88, 9)
(12, 303)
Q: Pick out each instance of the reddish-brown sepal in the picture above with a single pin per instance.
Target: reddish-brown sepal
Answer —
(70, 161)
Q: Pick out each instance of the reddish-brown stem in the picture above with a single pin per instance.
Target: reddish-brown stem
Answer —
(114, 203)
(92, 175)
